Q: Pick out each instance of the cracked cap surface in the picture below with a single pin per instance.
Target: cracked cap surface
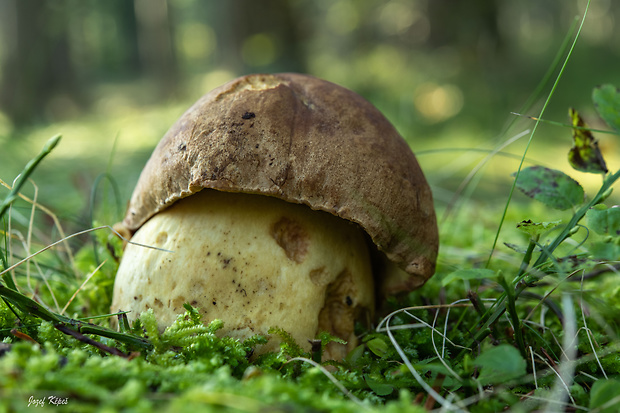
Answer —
(306, 141)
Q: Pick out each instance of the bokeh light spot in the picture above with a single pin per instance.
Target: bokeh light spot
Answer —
(214, 78)
(438, 103)
(343, 17)
(396, 17)
(196, 41)
(6, 126)
(259, 50)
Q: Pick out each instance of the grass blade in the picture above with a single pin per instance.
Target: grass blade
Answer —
(534, 129)
(28, 170)
(30, 306)
(14, 193)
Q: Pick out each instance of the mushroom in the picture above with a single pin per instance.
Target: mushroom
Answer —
(287, 201)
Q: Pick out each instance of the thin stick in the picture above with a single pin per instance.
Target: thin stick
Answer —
(444, 402)
(566, 125)
(380, 329)
(423, 307)
(474, 171)
(86, 231)
(29, 236)
(23, 336)
(565, 376)
(50, 214)
(30, 306)
(533, 367)
(562, 405)
(81, 337)
(588, 332)
(332, 379)
(40, 270)
(81, 286)
(441, 356)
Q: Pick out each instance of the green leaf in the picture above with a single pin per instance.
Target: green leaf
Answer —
(500, 364)
(606, 99)
(605, 251)
(378, 346)
(380, 389)
(536, 228)
(432, 367)
(603, 220)
(468, 274)
(355, 355)
(602, 394)
(551, 187)
(584, 156)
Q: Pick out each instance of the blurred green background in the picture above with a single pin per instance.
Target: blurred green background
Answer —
(112, 76)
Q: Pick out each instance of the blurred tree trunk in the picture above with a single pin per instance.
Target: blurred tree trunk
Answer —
(471, 26)
(36, 61)
(241, 19)
(155, 45)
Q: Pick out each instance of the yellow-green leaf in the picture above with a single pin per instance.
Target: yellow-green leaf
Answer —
(584, 156)
(536, 228)
(500, 364)
(603, 220)
(604, 396)
(606, 99)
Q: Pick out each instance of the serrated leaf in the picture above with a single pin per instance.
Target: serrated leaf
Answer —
(500, 364)
(606, 99)
(551, 187)
(468, 274)
(536, 228)
(585, 155)
(603, 220)
(605, 393)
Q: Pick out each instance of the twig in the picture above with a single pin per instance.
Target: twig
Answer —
(445, 404)
(596, 272)
(23, 336)
(566, 370)
(81, 337)
(75, 235)
(39, 269)
(334, 380)
(588, 331)
(30, 306)
(51, 215)
(81, 286)
(533, 367)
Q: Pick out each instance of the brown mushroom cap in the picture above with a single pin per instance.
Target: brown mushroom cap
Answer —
(305, 141)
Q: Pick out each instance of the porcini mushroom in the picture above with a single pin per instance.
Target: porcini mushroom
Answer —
(288, 201)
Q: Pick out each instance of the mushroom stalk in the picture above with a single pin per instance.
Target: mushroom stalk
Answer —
(253, 261)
